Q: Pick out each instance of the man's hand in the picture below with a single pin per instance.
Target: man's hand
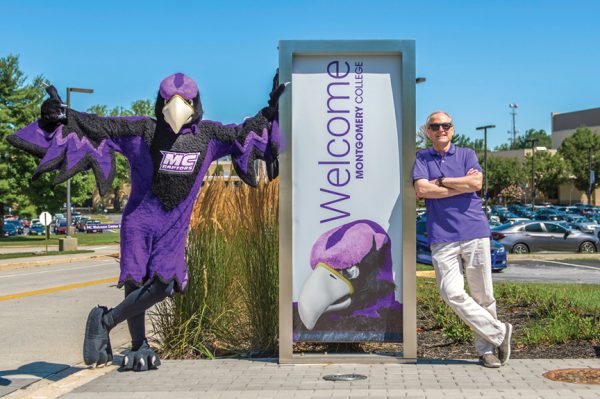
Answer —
(470, 183)
(430, 190)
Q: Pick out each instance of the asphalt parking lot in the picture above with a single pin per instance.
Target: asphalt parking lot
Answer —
(551, 271)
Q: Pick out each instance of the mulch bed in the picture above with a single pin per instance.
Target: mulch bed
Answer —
(433, 345)
(575, 376)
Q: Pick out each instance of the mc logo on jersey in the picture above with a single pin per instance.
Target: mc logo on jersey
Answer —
(178, 162)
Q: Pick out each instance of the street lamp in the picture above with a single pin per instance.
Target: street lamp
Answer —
(421, 80)
(485, 179)
(533, 149)
(69, 221)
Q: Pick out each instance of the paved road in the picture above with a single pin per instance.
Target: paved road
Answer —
(43, 312)
(551, 271)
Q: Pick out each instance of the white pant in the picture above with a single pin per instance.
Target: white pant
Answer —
(478, 311)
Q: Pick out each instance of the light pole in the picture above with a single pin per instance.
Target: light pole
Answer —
(485, 179)
(532, 141)
(69, 220)
(514, 129)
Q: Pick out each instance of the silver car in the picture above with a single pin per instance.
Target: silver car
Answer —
(522, 238)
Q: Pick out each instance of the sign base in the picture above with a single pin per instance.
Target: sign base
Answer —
(67, 244)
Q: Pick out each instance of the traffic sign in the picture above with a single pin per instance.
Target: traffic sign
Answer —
(45, 218)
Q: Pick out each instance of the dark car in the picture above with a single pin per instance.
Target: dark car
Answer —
(16, 224)
(61, 226)
(543, 236)
(9, 229)
(81, 223)
(424, 251)
(37, 229)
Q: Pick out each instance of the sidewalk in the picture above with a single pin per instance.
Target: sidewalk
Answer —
(16, 263)
(266, 379)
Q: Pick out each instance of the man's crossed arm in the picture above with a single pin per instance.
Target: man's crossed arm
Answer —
(452, 186)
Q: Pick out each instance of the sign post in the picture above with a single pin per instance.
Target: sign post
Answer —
(347, 205)
(46, 219)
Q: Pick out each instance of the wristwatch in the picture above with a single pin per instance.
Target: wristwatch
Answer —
(440, 181)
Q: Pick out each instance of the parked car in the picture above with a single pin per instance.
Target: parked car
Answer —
(81, 223)
(550, 217)
(16, 224)
(424, 251)
(37, 229)
(543, 236)
(89, 226)
(9, 229)
(61, 226)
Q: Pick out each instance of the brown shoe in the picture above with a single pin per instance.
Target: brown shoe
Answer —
(489, 360)
(504, 348)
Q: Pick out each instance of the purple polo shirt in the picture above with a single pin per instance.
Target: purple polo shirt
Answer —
(457, 218)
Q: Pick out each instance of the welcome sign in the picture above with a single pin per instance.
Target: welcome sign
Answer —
(345, 226)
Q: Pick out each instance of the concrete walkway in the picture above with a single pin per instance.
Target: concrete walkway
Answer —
(266, 379)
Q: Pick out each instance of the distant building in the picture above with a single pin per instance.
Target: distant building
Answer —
(565, 124)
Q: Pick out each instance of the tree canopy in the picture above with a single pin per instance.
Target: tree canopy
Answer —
(577, 150)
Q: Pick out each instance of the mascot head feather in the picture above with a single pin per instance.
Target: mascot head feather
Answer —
(178, 102)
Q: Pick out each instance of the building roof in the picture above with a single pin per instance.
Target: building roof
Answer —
(574, 120)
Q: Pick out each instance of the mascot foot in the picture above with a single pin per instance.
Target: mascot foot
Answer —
(96, 343)
(142, 359)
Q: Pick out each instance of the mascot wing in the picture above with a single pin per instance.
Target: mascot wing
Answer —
(69, 150)
(257, 139)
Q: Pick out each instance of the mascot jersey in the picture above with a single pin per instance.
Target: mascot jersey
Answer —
(168, 157)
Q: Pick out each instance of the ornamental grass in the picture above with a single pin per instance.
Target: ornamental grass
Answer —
(231, 303)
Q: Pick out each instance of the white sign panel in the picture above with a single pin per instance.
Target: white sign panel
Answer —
(45, 218)
(347, 227)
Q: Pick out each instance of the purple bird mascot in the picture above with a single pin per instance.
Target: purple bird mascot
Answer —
(168, 157)
(349, 295)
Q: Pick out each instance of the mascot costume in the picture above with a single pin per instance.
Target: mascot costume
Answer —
(169, 157)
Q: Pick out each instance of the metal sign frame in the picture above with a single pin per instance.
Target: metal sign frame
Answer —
(406, 50)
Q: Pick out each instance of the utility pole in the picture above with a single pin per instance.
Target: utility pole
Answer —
(513, 106)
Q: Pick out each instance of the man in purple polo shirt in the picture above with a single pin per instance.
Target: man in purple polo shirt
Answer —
(458, 233)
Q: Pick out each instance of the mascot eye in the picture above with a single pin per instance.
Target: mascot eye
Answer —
(352, 272)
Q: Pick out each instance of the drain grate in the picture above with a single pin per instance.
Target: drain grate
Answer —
(345, 377)
(575, 376)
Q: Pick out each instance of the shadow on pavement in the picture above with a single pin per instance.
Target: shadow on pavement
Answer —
(39, 370)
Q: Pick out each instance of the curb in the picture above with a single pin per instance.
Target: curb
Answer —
(48, 262)
(67, 380)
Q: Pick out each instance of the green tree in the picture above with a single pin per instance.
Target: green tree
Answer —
(142, 108)
(503, 173)
(20, 105)
(458, 139)
(542, 139)
(550, 171)
(577, 150)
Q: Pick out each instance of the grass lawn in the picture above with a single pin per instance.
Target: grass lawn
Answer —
(82, 239)
(544, 313)
(50, 253)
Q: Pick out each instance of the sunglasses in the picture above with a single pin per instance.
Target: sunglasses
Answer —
(436, 126)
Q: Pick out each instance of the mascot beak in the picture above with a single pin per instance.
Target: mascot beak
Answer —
(177, 112)
(323, 288)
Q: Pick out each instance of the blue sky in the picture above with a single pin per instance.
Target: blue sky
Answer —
(477, 56)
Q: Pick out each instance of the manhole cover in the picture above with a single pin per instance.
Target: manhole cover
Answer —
(345, 377)
(575, 376)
